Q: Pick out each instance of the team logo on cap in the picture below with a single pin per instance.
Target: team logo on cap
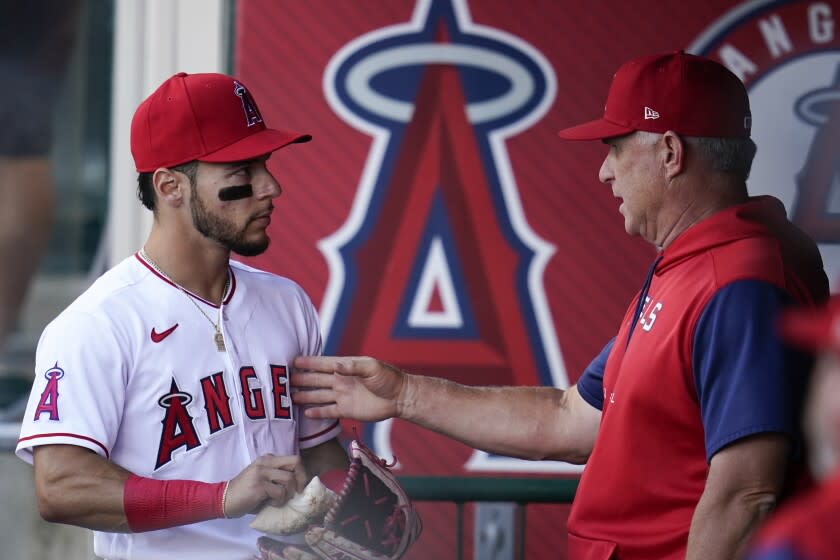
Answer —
(249, 106)
(436, 268)
(788, 56)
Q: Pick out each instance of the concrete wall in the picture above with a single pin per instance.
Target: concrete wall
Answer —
(23, 534)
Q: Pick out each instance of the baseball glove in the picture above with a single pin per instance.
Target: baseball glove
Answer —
(369, 518)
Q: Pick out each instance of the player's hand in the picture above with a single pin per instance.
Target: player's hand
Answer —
(362, 389)
(270, 479)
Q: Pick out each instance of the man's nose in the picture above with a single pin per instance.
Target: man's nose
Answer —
(605, 174)
(266, 186)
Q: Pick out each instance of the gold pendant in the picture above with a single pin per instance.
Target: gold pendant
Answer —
(220, 341)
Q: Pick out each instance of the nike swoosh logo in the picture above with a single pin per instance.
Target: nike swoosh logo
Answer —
(158, 336)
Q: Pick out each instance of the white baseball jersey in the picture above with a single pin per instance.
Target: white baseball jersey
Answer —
(130, 370)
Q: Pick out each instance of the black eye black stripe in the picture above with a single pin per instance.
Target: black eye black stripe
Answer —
(235, 192)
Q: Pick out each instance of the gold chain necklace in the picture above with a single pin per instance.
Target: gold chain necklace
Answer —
(218, 338)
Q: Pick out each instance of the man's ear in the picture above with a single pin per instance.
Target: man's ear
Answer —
(673, 154)
(169, 186)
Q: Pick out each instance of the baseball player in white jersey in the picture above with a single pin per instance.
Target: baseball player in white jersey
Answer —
(160, 416)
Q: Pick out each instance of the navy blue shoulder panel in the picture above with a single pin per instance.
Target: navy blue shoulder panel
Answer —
(748, 381)
(591, 382)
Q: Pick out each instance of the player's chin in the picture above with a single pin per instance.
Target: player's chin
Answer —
(251, 246)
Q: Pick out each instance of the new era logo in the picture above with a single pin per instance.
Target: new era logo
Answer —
(651, 114)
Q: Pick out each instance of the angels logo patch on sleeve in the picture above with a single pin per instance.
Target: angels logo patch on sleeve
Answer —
(48, 404)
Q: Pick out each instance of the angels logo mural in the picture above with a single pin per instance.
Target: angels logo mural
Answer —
(436, 268)
(788, 55)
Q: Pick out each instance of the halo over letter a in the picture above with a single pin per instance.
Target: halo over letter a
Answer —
(249, 106)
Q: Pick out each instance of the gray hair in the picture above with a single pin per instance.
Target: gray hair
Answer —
(724, 155)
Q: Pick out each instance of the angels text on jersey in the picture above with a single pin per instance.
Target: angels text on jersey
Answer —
(648, 315)
(178, 422)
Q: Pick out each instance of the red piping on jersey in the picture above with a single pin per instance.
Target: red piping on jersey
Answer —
(319, 434)
(64, 434)
(186, 291)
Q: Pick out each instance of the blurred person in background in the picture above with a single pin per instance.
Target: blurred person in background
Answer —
(806, 528)
(35, 45)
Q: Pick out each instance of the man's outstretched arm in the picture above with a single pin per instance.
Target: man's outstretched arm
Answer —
(526, 422)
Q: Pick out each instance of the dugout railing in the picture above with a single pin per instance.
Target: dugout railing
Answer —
(463, 490)
(455, 489)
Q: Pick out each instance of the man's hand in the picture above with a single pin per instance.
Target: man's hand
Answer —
(362, 389)
(268, 480)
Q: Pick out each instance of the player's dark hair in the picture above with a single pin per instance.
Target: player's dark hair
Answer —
(146, 190)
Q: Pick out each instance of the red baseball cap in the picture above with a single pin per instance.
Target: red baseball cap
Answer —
(687, 94)
(204, 117)
(813, 329)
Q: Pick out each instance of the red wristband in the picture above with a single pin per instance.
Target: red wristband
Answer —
(160, 504)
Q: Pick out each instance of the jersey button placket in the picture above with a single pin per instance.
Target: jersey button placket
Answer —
(231, 358)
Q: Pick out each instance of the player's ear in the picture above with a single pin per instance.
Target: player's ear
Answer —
(169, 186)
(672, 154)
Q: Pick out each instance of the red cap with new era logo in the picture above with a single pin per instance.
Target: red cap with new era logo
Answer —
(687, 94)
(204, 117)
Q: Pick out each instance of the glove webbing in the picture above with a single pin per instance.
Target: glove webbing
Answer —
(374, 518)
